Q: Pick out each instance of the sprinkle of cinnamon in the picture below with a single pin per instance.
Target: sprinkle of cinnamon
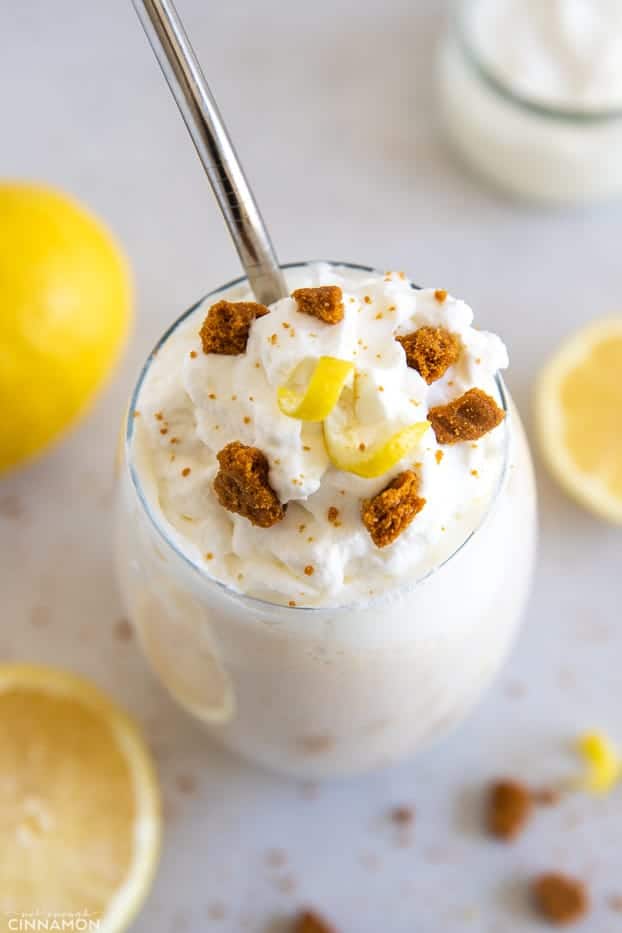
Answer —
(186, 471)
(439, 455)
(193, 354)
(309, 570)
(441, 295)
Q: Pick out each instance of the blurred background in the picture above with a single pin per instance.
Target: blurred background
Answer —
(334, 111)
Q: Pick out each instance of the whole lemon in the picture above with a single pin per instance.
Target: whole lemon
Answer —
(65, 307)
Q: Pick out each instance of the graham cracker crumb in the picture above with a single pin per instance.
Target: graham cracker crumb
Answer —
(440, 294)
(403, 816)
(560, 899)
(186, 471)
(390, 512)
(163, 430)
(310, 922)
(509, 808)
(324, 302)
(193, 354)
(241, 485)
(333, 515)
(467, 418)
(546, 796)
(431, 351)
(309, 570)
(226, 328)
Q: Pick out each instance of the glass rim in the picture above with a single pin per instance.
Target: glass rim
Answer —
(161, 526)
(572, 116)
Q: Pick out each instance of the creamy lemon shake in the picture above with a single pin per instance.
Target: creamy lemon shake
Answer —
(327, 523)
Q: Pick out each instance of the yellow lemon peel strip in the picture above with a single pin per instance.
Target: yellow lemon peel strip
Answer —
(322, 392)
(604, 765)
(377, 459)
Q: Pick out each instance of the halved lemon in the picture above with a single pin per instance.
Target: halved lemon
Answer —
(321, 394)
(79, 807)
(579, 417)
(604, 767)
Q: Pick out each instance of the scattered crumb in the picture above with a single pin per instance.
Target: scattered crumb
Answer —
(440, 294)
(309, 570)
(474, 473)
(403, 816)
(158, 416)
(467, 418)
(193, 354)
(292, 603)
(174, 440)
(546, 796)
(136, 413)
(241, 485)
(163, 430)
(186, 471)
(431, 351)
(276, 858)
(226, 328)
(324, 302)
(439, 455)
(391, 511)
(333, 516)
(509, 808)
(301, 528)
(287, 884)
(560, 899)
(213, 396)
(123, 630)
(310, 922)
(209, 556)
(247, 420)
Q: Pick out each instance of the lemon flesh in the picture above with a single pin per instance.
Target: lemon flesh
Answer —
(579, 417)
(321, 394)
(65, 306)
(79, 809)
(604, 767)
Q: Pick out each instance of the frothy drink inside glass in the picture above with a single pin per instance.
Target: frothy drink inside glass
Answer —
(327, 514)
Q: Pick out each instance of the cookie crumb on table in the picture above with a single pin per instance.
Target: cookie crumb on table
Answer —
(310, 922)
(402, 815)
(467, 418)
(559, 899)
(324, 302)
(431, 351)
(509, 808)
(226, 328)
(390, 512)
(242, 486)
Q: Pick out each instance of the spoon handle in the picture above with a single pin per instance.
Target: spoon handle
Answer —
(183, 74)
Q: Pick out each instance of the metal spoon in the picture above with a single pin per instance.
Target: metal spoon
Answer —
(182, 71)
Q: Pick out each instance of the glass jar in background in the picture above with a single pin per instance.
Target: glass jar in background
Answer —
(527, 115)
(320, 692)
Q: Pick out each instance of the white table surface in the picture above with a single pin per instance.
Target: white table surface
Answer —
(332, 107)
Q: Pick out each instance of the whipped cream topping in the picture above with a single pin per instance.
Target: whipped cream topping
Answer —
(564, 53)
(192, 404)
